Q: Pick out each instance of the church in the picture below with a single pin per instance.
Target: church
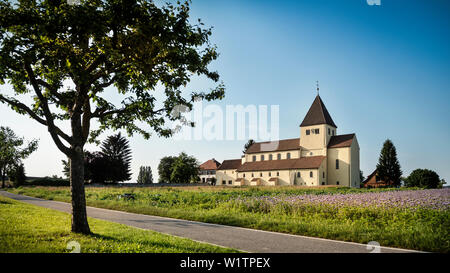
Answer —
(318, 157)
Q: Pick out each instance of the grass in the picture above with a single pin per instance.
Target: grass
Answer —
(426, 230)
(26, 228)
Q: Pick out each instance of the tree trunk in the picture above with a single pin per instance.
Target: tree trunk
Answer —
(79, 215)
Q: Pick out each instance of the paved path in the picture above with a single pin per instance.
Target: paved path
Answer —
(245, 239)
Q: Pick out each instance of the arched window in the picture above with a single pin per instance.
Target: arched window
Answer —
(298, 174)
(278, 173)
(279, 156)
(310, 174)
(254, 158)
(288, 155)
(260, 174)
(270, 157)
(262, 157)
(270, 174)
(337, 164)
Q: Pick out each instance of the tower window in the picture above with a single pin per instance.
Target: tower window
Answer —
(260, 174)
(270, 174)
(254, 158)
(329, 131)
(243, 175)
(298, 174)
(279, 156)
(310, 174)
(270, 157)
(323, 174)
(337, 164)
(262, 157)
(252, 175)
(308, 132)
(278, 173)
(288, 155)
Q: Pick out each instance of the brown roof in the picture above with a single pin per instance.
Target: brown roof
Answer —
(268, 146)
(211, 164)
(255, 179)
(273, 179)
(312, 162)
(231, 164)
(341, 141)
(318, 114)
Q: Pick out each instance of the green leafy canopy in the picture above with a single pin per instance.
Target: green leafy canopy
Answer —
(132, 45)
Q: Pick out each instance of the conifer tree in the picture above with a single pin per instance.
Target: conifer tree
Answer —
(145, 175)
(388, 167)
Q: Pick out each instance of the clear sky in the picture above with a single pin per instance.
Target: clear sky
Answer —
(383, 73)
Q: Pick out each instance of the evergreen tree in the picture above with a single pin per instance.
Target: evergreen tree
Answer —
(145, 175)
(117, 153)
(388, 167)
(249, 143)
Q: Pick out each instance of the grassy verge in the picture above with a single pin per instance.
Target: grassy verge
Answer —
(27, 228)
(426, 230)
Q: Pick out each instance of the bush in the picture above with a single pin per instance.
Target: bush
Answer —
(47, 181)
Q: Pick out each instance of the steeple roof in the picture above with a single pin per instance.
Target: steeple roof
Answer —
(318, 114)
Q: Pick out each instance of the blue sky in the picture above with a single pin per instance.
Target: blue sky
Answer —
(383, 73)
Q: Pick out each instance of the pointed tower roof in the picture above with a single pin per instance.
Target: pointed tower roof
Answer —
(318, 114)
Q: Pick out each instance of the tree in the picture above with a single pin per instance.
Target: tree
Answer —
(388, 167)
(185, 169)
(247, 145)
(65, 56)
(361, 178)
(116, 153)
(145, 175)
(423, 178)
(12, 151)
(17, 175)
(165, 168)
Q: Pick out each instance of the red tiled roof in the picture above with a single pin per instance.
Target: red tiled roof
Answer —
(312, 162)
(211, 164)
(273, 179)
(341, 141)
(231, 164)
(268, 146)
(318, 114)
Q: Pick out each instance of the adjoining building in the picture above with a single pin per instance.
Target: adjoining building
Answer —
(208, 170)
(375, 181)
(318, 157)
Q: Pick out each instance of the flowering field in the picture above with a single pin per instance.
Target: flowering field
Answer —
(435, 199)
(406, 218)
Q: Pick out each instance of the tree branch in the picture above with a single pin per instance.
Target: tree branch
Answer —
(54, 131)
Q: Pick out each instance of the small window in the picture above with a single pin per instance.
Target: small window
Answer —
(288, 155)
(230, 182)
(316, 131)
(298, 174)
(278, 173)
(270, 157)
(262, 157)
(243, 175)
(308, 132)
(323, 183)
(329, 131)
(337, 182)
(254, 158)
(337, 164)
(310, 174)
(270, 174)
(260, 174)
(279, 156)
(333, 133)
(311, 153)
(223, 182)
(252, 175)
